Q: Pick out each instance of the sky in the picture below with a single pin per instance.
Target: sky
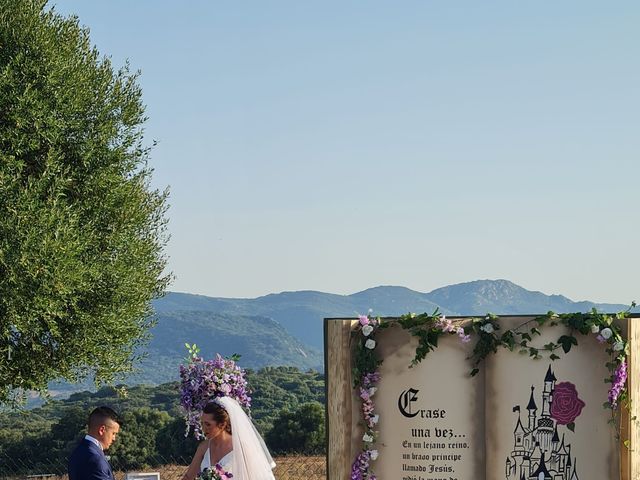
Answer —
(338, 146)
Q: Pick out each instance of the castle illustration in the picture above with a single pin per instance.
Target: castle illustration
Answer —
(538, 453)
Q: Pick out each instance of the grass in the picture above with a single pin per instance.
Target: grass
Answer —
(287, 468)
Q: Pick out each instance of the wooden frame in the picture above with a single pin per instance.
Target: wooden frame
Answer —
(340, 400)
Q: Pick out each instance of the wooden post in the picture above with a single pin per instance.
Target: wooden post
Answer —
(629, 419)
(339, 393)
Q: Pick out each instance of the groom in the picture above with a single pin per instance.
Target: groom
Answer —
(87, 462)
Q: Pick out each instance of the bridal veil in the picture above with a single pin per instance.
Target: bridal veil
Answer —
(251, 458)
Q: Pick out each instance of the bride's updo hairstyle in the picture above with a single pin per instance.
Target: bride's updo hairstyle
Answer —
(219, 414)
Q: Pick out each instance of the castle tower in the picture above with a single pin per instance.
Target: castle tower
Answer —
(555, 440)
(518, 436)
(562, 456)
(533, 408)
(519, 452)
(568, 466)
(545, 422)
(554, 461)
(525, 468)
(549, 383)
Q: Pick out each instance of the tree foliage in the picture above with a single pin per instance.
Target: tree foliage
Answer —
(301, 430)
(153, 430)
(282, 388)
(136, 446)
(81, 228)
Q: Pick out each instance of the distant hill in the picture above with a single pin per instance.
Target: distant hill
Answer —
(285, 329)
(259, 340)
(504, 297)
(301, 313)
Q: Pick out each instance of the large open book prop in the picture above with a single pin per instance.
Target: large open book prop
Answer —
(518, 418)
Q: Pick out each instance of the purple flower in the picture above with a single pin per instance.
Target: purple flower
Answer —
(360, 467)
(463, 337)
(364, 320)
(201, 381)
(370, 379)
(215, 473)
(444, 324)
(364, 394)
(619, 380)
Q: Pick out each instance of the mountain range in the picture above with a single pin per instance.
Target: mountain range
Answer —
(301, 313)
(287, 328)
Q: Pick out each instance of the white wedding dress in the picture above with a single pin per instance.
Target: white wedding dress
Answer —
(250, 459)
(225, 462)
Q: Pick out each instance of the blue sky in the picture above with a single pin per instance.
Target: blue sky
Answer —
(337, 146)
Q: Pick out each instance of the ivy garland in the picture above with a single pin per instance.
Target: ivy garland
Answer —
(429, 328)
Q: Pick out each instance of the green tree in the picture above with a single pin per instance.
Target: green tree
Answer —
(173, 446)
(299, 431)
(81, 228)
(68, 430)
(135, 446)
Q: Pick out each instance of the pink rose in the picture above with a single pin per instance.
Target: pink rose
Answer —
(565, 405)
(364, 320)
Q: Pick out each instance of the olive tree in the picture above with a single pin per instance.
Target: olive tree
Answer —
(81, 228)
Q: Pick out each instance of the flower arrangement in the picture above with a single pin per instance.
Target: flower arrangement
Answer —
(365, 378)
(429, 328)
(203, 380)
(215, 473)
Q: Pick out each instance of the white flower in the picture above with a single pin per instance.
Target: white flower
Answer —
(606, 333)
(373, 454)
(367, 438)
(487, 328)
(375, 419)
(370, 344)
(595, 329)
(372, 391)
(618, 346)
(366, 330)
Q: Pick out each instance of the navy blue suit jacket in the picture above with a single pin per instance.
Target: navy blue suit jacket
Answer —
(87, 462)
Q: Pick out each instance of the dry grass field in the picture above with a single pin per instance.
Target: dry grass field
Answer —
(287, 468)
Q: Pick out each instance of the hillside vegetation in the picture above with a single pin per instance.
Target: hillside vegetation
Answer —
(152, 433)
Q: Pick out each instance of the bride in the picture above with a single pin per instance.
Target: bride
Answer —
(232, 442)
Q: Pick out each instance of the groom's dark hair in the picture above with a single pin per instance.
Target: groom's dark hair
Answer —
(100, 416)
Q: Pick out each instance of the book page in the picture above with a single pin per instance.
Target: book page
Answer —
(431, 416)
(530, 404)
